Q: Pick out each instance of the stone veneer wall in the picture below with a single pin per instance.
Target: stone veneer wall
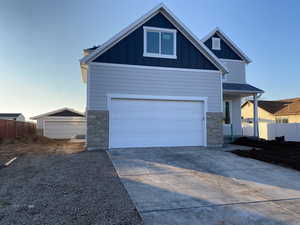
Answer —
(214, 127)
(98, 129)
(97, 136)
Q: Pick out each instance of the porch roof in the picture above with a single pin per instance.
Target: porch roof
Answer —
(240, 88)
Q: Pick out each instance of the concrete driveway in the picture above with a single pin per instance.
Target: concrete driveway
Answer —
(188, 186)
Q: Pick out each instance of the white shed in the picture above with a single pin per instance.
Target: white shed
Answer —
(63, 123)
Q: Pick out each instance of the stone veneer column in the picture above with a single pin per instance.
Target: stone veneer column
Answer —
(214, 127)
(97, 130)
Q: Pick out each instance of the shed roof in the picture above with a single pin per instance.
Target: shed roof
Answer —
(63, 112)
(10, 115)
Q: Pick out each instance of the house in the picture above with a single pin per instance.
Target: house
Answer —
(12, 116)
(62, 123)
(280, 111)
(156, 84)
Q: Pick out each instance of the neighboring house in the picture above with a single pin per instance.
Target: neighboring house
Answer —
(280, 111)
(61, 124)
(12, 116)
(156, 84)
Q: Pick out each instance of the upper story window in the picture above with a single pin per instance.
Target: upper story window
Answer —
(159, 42)
(216, 43)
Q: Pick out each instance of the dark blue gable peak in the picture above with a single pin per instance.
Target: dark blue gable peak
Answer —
(226, 51)
(130, 49)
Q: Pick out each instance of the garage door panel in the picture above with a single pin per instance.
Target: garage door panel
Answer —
(146, 123)
(64, 129)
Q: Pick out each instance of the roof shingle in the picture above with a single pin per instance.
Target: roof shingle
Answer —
(241, 87)
(281, 107)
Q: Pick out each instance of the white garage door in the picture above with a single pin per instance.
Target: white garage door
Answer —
(147, 123)
(64, 129)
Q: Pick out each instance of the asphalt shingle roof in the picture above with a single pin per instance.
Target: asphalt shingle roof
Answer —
(241, 87)
(281, 107)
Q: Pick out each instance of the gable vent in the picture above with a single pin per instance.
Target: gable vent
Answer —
(216, 43)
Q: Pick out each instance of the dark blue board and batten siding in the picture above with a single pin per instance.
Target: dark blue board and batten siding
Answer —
(130, 50)
(225, 53)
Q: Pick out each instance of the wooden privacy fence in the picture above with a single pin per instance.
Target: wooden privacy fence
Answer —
(10, 129)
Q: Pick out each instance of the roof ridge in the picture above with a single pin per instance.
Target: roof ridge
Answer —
(174, 20)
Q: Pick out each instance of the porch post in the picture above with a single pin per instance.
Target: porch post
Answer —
(255, 117)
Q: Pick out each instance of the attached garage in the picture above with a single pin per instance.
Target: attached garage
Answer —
(61, 124)
(148, 121)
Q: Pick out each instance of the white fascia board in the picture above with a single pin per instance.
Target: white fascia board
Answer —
(64, 119)
(229, 42)
(209, 35)
(241, 91)
(153, 67)
(156, 97)
(185, 30)
(174, 20)
(120, 35)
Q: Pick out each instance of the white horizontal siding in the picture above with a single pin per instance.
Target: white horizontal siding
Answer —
(64, 129)
(104, 79)
(237, 71)
(40, 124)
(40, 121)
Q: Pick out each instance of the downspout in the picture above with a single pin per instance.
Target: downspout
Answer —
(255, 115)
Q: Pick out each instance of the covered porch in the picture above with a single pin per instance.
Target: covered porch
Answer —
(232, 96)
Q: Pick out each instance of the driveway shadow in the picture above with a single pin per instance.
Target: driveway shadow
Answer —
(162, 205)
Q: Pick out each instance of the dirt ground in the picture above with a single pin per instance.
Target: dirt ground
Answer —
(285, 154)
(36, 145)
(56, 182)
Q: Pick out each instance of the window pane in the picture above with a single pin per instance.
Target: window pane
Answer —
(152, 42)
(167, 43)
(227, 113)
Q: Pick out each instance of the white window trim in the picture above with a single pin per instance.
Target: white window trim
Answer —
(160, 30)
(213, 40)
(230, 111)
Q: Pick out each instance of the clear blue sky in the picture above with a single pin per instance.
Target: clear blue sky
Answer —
(41, 42)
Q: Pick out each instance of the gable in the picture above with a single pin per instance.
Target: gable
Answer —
(66, 113)
(130, 49)
(226, 51)
(268, 106)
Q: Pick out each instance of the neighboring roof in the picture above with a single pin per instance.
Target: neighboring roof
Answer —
(236, 87)
(174, 20)
(269, 106)
(92, 48)
(280, 107)
(60, 112)
(228, 41)
(10, 115)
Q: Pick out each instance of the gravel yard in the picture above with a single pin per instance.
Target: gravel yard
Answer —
(80, 188)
